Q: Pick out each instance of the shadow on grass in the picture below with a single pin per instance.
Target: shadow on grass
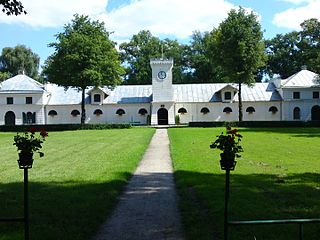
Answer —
(252, 197)
(59, 210)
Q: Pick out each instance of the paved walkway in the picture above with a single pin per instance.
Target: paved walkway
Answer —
(147, 209)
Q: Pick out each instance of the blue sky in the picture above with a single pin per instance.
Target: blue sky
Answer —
(175, 19)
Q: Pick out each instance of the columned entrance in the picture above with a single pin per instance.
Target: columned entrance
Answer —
(315, 113)
(10, 118)
(162, 116)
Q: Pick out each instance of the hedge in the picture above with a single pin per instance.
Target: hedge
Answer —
(62, 127)
(273, 124)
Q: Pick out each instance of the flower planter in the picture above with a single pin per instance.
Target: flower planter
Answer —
(25, 160)
(227, 161)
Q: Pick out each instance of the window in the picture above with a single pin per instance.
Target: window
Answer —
(28, 100)
(75, 113)
(182, 110)
(315, 95)
(250, 110)
(9, 100)
(227, 95)
(296, 95)
(204, 110)
(143, 111)
(273, 109)
(97, 98)
(120, 112)
(52, 113)
(227, 110)
(296, 113)
(29, 118)
(98, 112)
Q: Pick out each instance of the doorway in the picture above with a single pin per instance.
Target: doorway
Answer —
(10, 119)
(315, 113)
(162, 116)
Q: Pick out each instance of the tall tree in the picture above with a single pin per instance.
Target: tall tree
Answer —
(284, 55)
(84, 56)
(19, 59)
(11, 7)
(136, 55)
(238, 48)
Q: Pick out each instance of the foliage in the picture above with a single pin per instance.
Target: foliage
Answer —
(279, 179)
(229, 143)
(177, 119)
(90, 56)
(136, 55)
(28, 142)
(4, 76)
(11, 7)
(19, 59)
(238, 49)
(83, 175)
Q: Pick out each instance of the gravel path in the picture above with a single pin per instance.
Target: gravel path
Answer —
(147, 210)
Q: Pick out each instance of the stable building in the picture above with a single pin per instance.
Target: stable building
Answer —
(26, 101)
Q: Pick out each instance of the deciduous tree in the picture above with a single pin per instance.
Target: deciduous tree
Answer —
(84, 56)
(11, 7)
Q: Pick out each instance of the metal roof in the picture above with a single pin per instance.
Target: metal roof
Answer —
(304, 78)
(21, 83)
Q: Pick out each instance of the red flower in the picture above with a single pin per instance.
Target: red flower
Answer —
(228, 128)
(32, 130)
(234, 131)
(43, 133)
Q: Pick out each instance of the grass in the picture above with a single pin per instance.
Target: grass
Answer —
(276, 178)
(74, 187)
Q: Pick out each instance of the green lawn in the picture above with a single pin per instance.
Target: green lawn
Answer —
(74, 186)
(278, 177)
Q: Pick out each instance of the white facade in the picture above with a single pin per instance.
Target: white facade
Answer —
(25, 101)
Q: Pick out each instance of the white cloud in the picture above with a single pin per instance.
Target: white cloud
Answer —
(176, 18)
(297, 2)
(42, 13)
(293, 17)
(167, 17)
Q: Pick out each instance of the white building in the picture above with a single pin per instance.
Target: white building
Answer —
(26, 101)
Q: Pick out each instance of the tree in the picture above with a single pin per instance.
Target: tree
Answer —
(11, 7)
(284, 55)
(19, 59)
(84, 56)
(238, 48)
(136, 55)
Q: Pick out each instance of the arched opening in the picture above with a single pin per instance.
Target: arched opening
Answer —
(52, 113)
(162, 116)
(315, 113)
(204, 110)
(250, 110)
(10, 119)
(120, 112)
(296, 113)
(97, 112)
(273, 109)
(75, 113)
(227, 110)
(143, 111)
(182, 110)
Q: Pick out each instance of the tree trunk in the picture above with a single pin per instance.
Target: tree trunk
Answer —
(83, 110)
(240, 103)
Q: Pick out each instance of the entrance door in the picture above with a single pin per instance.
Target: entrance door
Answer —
(315, 113)
(162, 116)
(10, 118)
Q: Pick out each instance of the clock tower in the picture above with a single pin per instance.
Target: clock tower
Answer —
(162, 92)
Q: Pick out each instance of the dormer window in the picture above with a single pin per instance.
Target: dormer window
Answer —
(296, 95)
(28, 100)
(97, 98)
(227, 96)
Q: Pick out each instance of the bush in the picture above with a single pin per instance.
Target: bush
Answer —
(177, 119)
(257, 124)
(64, 127)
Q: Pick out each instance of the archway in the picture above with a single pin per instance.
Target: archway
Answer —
(315, 113)
(10, 118)
(162, 116)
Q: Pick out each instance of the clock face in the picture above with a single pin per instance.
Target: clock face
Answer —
(162, 75)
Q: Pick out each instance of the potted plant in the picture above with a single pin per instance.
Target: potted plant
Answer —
(229, 144)
(27, 144)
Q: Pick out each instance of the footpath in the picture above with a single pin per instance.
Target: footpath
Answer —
(147, 209)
